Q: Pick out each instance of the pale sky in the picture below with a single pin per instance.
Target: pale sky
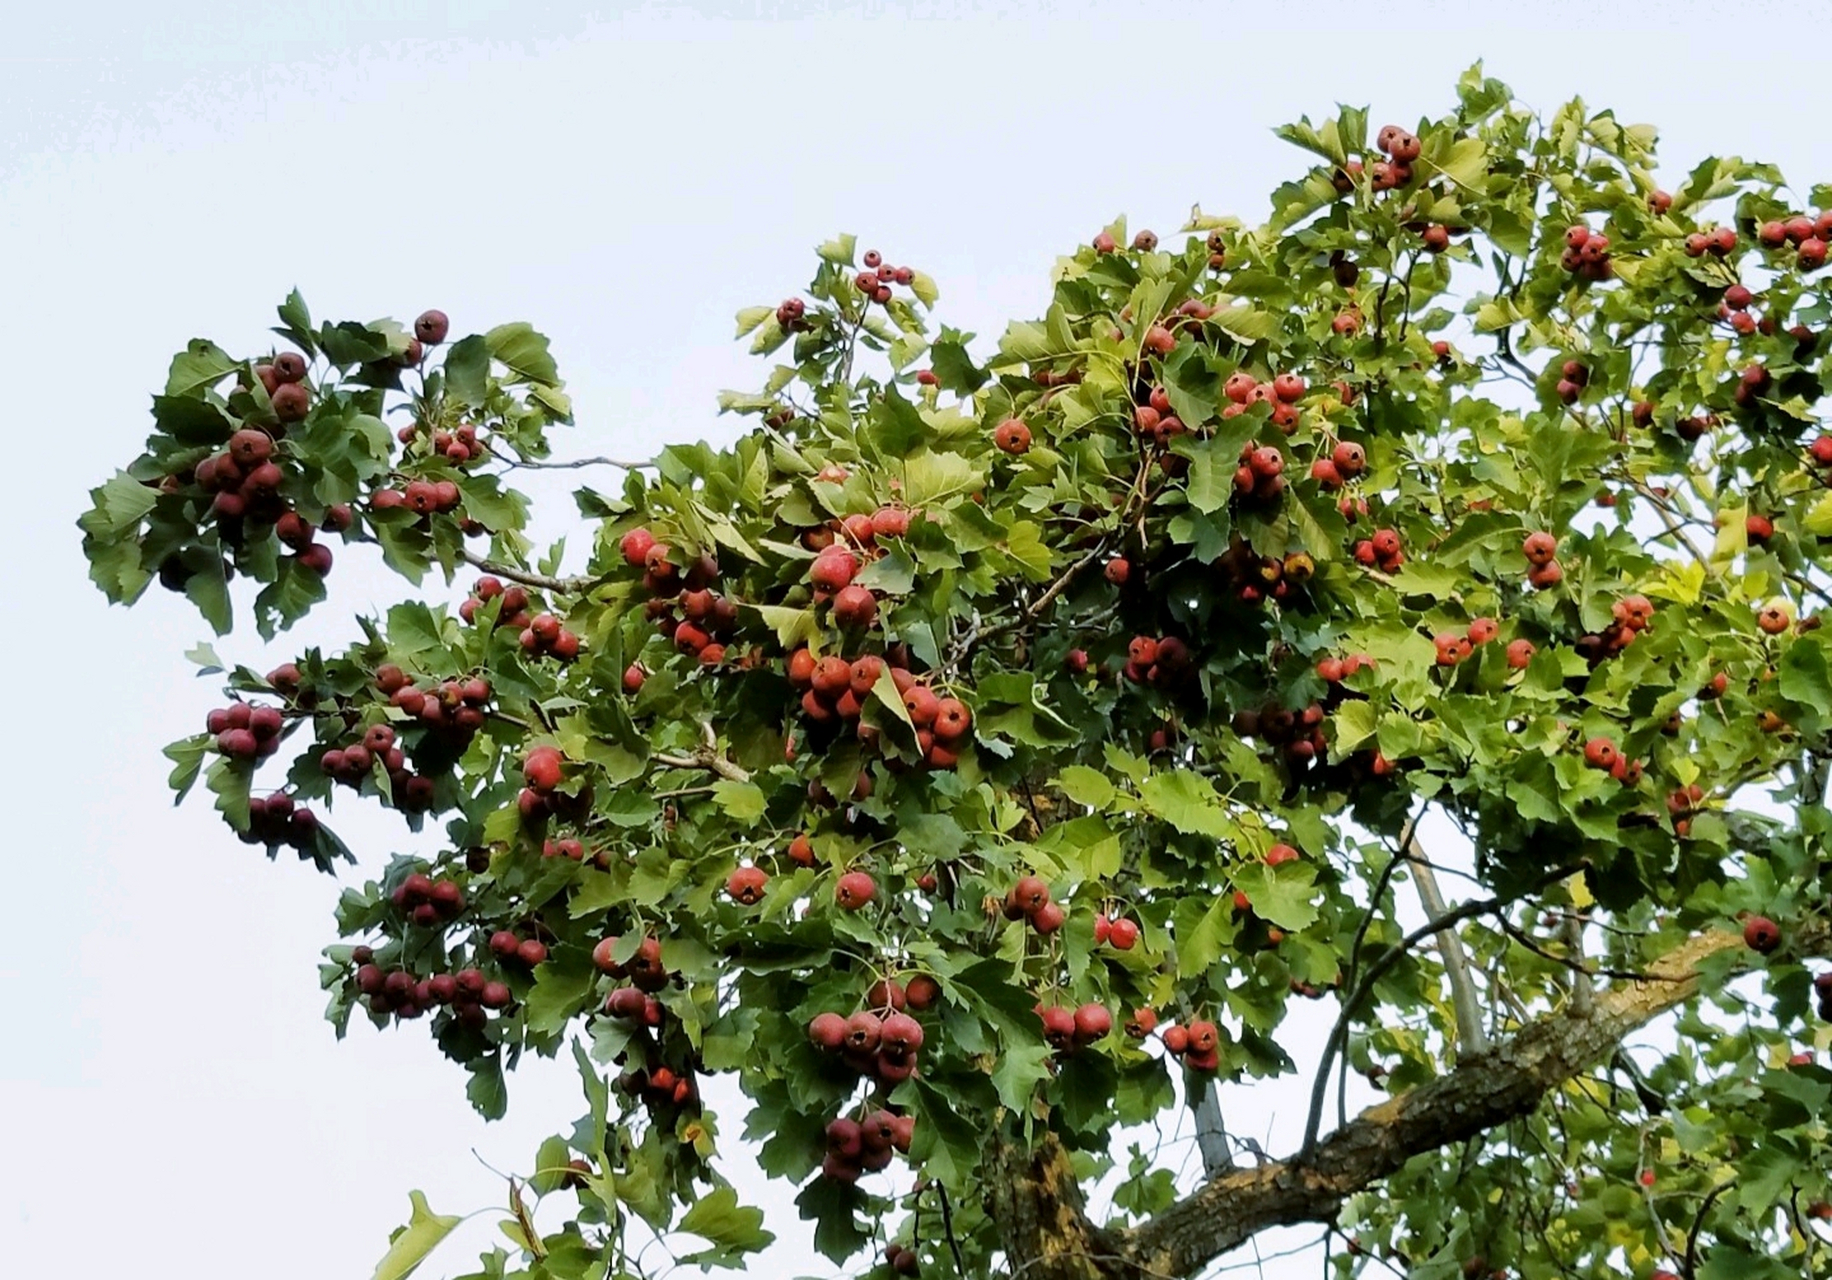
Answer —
(624, 177)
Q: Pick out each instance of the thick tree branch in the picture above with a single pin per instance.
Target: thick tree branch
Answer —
(1507, 1082)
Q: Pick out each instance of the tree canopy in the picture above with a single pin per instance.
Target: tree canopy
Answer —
(997, 743)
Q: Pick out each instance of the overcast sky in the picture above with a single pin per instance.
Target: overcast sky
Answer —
(625, 178)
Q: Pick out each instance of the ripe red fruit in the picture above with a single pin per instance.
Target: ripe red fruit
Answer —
(854, 890)
(900, 1034)
(1012, 436)
(1104, 243)
(833, 569)
(1176, 1040)
(952, 720)
(1600, 753)
(1759, 529)
(1483, 630)
(922, 992)
(1048, 918)
(827, 1031)
(531, 951)
(541, 768)
(855, 607)
(801, 851)
(1452, 648)
(1122, 934)
(1029, 895)
(316, 559)
(1539, 548)
(1092, 1022)
(1761, 934)
(1546, 575)
(921, 704)
(1279, 854)
(1203, 1037)
(863, 1031)
(1520, 653)
(746, 885)
(635, 546)
(1118, 570)
(430, 327)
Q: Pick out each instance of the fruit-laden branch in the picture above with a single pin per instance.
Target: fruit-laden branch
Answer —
(1481, 1093)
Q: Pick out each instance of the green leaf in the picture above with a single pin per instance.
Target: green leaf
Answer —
(487, 1091)
(296, 323)
(1188, 802)
(1282, 894)
(467, 370)
(839, 250)
(1201, 930)
(1086, 786)
(120, 505)
(201, 364)
(410, 1245)
(524, 352)
(1245, 325)
(717, 1216)
(742, 802)
(562, 988)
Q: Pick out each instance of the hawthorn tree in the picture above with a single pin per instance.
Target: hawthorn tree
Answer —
(991, 748)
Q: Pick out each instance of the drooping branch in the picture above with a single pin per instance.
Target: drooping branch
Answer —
(1507, 1082)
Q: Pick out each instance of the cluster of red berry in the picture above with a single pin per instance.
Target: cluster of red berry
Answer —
(468, 991)
(428, 902)
(1165, 661)
(459, 447)
(278, 819)
(1298, 733)
(858, 1147)
(1346, 461)
(880, 1041)
(511, 614)
(1197, 1045)
(876, 280)
(422, 497)
(543, 768)
(1586, 253)
(1383, 551)
(1067, 1030)
(1401, 149)
(1029, 900)
(1243, 391)
(1809, 236)
(681, 604)
(246, 731)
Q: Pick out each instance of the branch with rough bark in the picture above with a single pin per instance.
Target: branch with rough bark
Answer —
(1482, 1092)
(1048, 1238)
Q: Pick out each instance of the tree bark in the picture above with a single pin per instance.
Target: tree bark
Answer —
(1047, 1235)
(1037, 1202)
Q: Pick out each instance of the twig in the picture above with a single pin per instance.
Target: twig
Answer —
(576, 463)
(529, 578)
(1690, 1265)
(1472, 1040)
(947, 1225)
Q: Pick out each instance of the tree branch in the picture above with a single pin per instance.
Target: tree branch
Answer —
(1472, 1040)
(1507, 1082)
(529, 578)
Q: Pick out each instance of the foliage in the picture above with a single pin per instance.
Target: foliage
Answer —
(1255, 579)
